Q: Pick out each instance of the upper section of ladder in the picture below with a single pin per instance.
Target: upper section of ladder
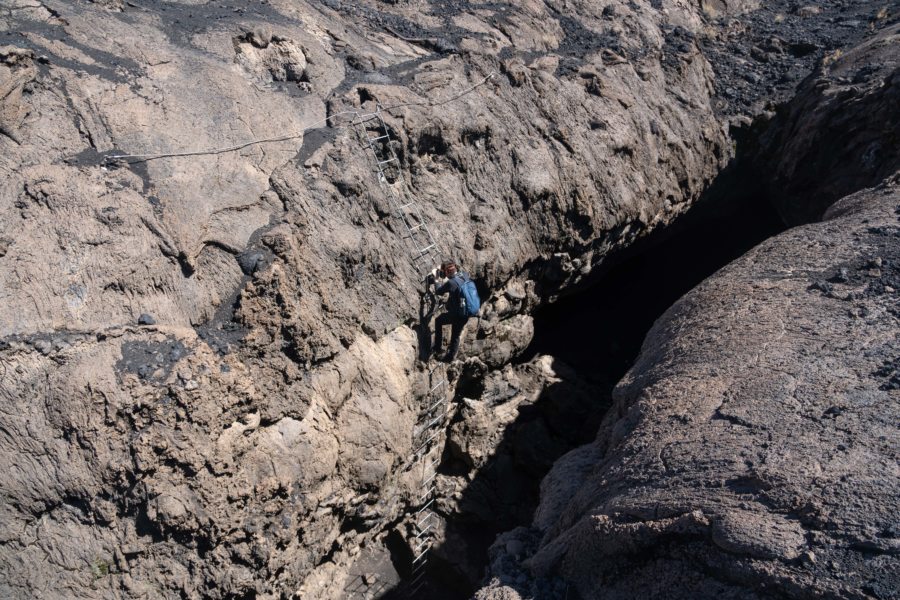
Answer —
(423, 249)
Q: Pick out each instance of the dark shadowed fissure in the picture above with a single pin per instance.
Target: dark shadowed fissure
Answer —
(597, 331)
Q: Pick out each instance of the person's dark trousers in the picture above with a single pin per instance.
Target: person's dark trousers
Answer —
(456, 324)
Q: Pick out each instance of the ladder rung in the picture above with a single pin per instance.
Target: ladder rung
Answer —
(416, 579)
(436, 397)
(365, 118)
(414, 588)
(426, 507)
(427, 527)
(430, 479)
(422, 549)
(384, 162)
(431, 423)
(398, 180)
(421, 557)
(419, 226)
(380, 137)
(426, 543)
(416, 236)
(428, 516)
(426, 493)
(439, 402)
(429, 411)
(426, 248)
(428, 441)
(424, 529)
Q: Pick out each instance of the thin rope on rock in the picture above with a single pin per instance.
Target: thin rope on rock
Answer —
(448, 100)
(137, 158)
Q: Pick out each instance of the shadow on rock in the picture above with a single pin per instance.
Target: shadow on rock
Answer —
(513, 424)
(500, 445)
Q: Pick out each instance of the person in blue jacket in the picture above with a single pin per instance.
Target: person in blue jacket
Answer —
(449, 280)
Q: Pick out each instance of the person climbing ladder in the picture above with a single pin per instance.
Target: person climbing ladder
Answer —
(463, 303)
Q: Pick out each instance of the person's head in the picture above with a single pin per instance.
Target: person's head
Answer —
(448, 267)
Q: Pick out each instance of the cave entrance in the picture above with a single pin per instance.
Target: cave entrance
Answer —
(598, 329)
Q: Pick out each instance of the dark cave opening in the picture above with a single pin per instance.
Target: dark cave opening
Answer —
(597, 330)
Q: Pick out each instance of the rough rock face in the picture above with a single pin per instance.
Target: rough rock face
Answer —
(253, 430)
(760, 51)
(840, 133)
(17, 70)
(752, 450)
(510, 427)
(210, 352)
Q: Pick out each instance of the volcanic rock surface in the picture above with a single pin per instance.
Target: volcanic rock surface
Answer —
(761, 50)
(210, 378)
(210, 340)
(839, 134)
(752, 450)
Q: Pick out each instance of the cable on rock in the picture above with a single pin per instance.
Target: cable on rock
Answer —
(137, 158)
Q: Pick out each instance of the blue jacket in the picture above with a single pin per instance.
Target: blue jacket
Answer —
(453, 286)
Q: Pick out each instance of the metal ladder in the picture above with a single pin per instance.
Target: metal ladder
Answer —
(424, 255)
(428, 428)
(366, 591)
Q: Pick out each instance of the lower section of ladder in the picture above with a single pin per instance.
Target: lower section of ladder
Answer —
(360, 588)
(429, 427)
